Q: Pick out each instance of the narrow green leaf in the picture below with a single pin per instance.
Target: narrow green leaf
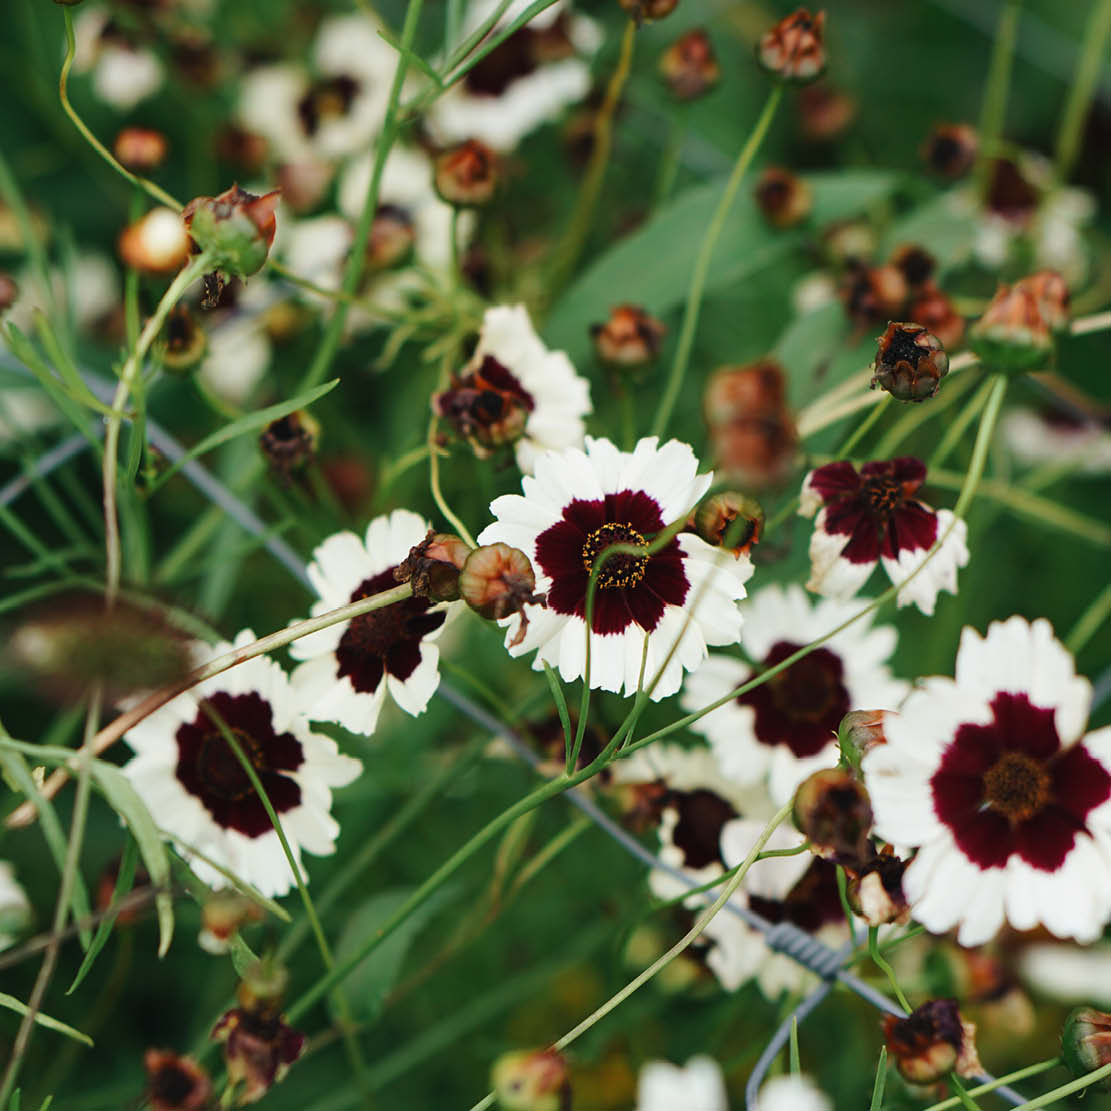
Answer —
(251, 422)
(14, 1004)
(25, 352)
(71, 381)
(242, 955)
(413, 59)
(795, 1063)
(246, 889)
(881, 1081)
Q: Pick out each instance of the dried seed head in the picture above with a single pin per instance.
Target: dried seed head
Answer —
(258, 1050)
(873, 294)
(1086, 1042)
(915, 263)
(950, 149)
(910, 362)
(140, 148)
(689, 65)
(467, 175)
(937, 314)
(9, 291)
(744, 391)
(487, 406)
(1013, 334)
(932, 1041)
(176, 1083)
(629, 339)
(223, 915)
(433, 566)
(875, 890)
(730, 518)
(157, 243)
(824, 112)
(783, 197)
(794, 50)
(648, 11)
(392, 236)
(236, 228)
(289, 443)
(182, 343)
(532, 1080)
(497, 581)
(833, 811)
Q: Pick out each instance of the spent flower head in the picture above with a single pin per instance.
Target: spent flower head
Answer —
(910, 362)
(235, 228)
(794, 49)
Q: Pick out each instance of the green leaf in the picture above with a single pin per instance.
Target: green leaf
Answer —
(881, 1082)
(242, 955)
(72, 382)
(369, 983)
(14, 1004)
(251, 422)
(944, 226)
(126, 802)
(652, 267)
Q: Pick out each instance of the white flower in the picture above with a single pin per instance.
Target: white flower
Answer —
(659, 610)
(1010, 806)
(511, 360)
(122, 73)
(874, 517)
(23, 412)
(516, 88)
(348, 668)
(238, 350)
(198, 793)
(15, 907)
(792, 1093)
(90, 290)
(696, 1086)
(785, 728)
(1035, 438)
(1068, 973)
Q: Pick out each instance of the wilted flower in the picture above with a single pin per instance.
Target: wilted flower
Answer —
(532, 1080)
(872, 294)
(950, 149)
(824, 111)
(631, 338)
(236, 228)
(468, 174)
(157, 243)
(689, 65)
(731, 517)
(140, 148)
(1013, 334)
(176, 1083)
(875, 890)
(832, 811)
(1051, 291)
(783, 197)
(1086, 1042)
(259, 1049)
(433, 566)
(290, 442)
(183, 343)
(794, 49)
(931, 1041)
(910, 363)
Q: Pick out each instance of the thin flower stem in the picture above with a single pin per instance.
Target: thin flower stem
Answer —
(880, 1082)
(962, 1095)
(583, 215)
(1084, 83)
(26, 813)
(437, 492)
(994, 108)
(1089, 622)
(189, 274)
(1051, 1098)
(958, 427)
(784, 511)
(999, 1082)
(865, 426)
(768, 854)
(702, 263)
(882, 964)
(560, 700)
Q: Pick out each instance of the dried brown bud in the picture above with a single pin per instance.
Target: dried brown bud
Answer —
(783, 197)
(793, 49)
(258, 1050)
(433, 566)
(157, 243)
(391, 238)
(824, 112)
(915, 263)
(648, 11)
(223, 915)
(9, 291)
(931, 1041)
(730, 517)
(140, 148)
(183, 342)
(745, 391)
(290, 442)
(532, 1080)
(1086, 1042)
(467, 175)
(873, 294)
(497, 581)
(237, 228)
(487, 406)
(1013, 334)
(833, 811)
(629, 339)
(875, 890)
(910, 363)
(689, 65)
(937, 314)
(950, 149)
(176, 1083)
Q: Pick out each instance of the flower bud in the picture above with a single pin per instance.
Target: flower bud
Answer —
(873, 294)
(875, 890)
(258, 1051)
(1051, 291)
(392, 236)
(304, 183)
(833, 811)
(936, 313)
(176, 1083)
(467, 175)
(157, 243)
(1013, 334)
(733, 517)
(9, 291)
(183, 343)
(1086, 1042)
(629, 339)
(433, 567)
(931, 1041)
(915, 263)
(290, 442)
(223, 915)
(236, 228)
(860, 731)
(910, 363)
(950, 150)
(793, 49)
(263, 987)
(783, 197)
(532, 1080)
(140, 148)
(689, 66)
(824, 112)
(648, 11)
(497, 581)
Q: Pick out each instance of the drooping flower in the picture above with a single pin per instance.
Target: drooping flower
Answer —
(874, 516)
(193, 783)
(514, 390)
(662, 1086)
(259, 1048)
(786, 728)
(990, 776)
(348, 668)
(657, 610)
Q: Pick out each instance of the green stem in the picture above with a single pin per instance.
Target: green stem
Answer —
(862, 429)
(1011, 1078)
(881, 963)
(994, 107)
(915, 415)
(702, 263)
(1051, 1098)
(1090, 621)
(1084, 83)
(957, 428)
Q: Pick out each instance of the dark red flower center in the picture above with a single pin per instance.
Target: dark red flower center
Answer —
(632, 589)
(702, 815)
(209, 769)
(488, 404)
(386, 640)
(329, 98)
(172, 1084)
(883, 493)
(1009, 787)
(802, 706)
(812, 903)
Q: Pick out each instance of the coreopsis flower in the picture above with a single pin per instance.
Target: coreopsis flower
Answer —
(689, 66)
(1009, 804)
(657, 610)
(349, 668)
(140, 148)
(910, 362)
(157, 243)
(875, 890)
(532, 1080)
(238, 350)
(873, 516)
(515, 391)
(662, 1086)
(89, 291)
(192, 781)
(123, 72)
(783, 197)
(787, 727)
(796, 1092)
(467, 175)
(931, 1041)
(1055, 436)
(259, 1048)
(529, 79)
(1066, 972)
(950, 149)
(629, 339)
(1086, 1042)
(793, 49)
(15, 907)
(176, 1083)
